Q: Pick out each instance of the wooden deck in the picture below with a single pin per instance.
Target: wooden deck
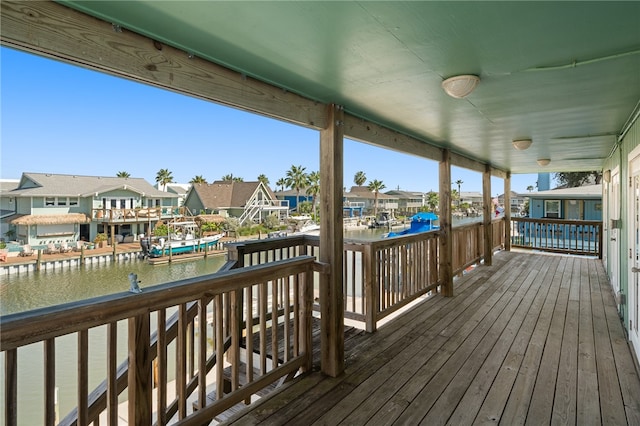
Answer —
(533, 339)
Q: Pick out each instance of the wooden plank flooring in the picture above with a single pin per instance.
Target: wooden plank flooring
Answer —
(533, 339)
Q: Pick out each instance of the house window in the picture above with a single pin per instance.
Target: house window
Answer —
(552, 208)
(73, 201)
(50, 201)
(62, 201)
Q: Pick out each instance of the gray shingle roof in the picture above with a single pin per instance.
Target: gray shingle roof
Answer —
(48, 184)
(8, 185)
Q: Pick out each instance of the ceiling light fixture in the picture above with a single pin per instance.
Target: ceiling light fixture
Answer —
(522, 144)
(460, 86)
(543, 162)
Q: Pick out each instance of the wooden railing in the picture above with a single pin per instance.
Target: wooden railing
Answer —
(397, 271)
(498, 233)
(393, 271)
(259, 315)
(468, 248)
(582, 237)
(135, 215)
(468, 243)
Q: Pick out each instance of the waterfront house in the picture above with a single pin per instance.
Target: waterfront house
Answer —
(293, 198)
(494, 87)
(472, 198)
(180, 189)
(362, 194)
(56, 208)
(249, 202)
(7, 206)
(517, 202)
(409, 202)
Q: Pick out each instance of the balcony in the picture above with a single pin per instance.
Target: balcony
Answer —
(530, 339)
(137, 215)
(481, 355)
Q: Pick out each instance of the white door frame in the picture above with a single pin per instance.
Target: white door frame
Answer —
(613, 243)
(633, 231)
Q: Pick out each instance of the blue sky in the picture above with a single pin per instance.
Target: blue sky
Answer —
(58, 118)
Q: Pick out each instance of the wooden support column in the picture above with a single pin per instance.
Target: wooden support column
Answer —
(139, 379)
(507, 212)
(331, 242)
(446, 244)
(487, 215)
(113, 236)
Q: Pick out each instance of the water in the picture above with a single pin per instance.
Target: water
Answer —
(23, 292)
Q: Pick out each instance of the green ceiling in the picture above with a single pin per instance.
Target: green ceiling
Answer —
(566, 74)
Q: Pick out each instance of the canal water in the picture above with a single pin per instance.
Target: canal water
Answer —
(27, 291)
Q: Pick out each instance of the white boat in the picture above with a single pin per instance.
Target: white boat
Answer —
(385, 219)
(297, 225)
(302, 224)
(183, 239)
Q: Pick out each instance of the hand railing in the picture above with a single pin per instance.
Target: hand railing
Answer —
(218, 317)
(582, 237)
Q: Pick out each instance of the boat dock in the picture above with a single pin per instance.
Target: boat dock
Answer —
(184, 257)
(41, 261)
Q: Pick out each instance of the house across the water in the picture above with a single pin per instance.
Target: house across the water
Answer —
(56, 208)
(247, 201)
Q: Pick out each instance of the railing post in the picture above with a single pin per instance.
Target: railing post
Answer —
(446, 238)
(235, 252)
(370, 288)
(139, 384)
(507, 212)
(305, 302)
(600, 238)
(236, 323)
(331, 242)
(11, 387)
(487, 215)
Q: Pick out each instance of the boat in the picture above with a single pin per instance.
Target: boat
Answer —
(183, 238)
(302, 224)
(384, 219)
(420, 222)
(297, 225)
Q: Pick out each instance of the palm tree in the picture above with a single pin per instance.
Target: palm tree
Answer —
(163, 177)
(198, 179)
(282, 182)
(530, 188)
(375, 186)
(297, 179)
(455, 195)
(314, 188)
(459, 183)
(432, 200)
(231, 178)
(123, 175)
(360, 178)
(264, 179)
